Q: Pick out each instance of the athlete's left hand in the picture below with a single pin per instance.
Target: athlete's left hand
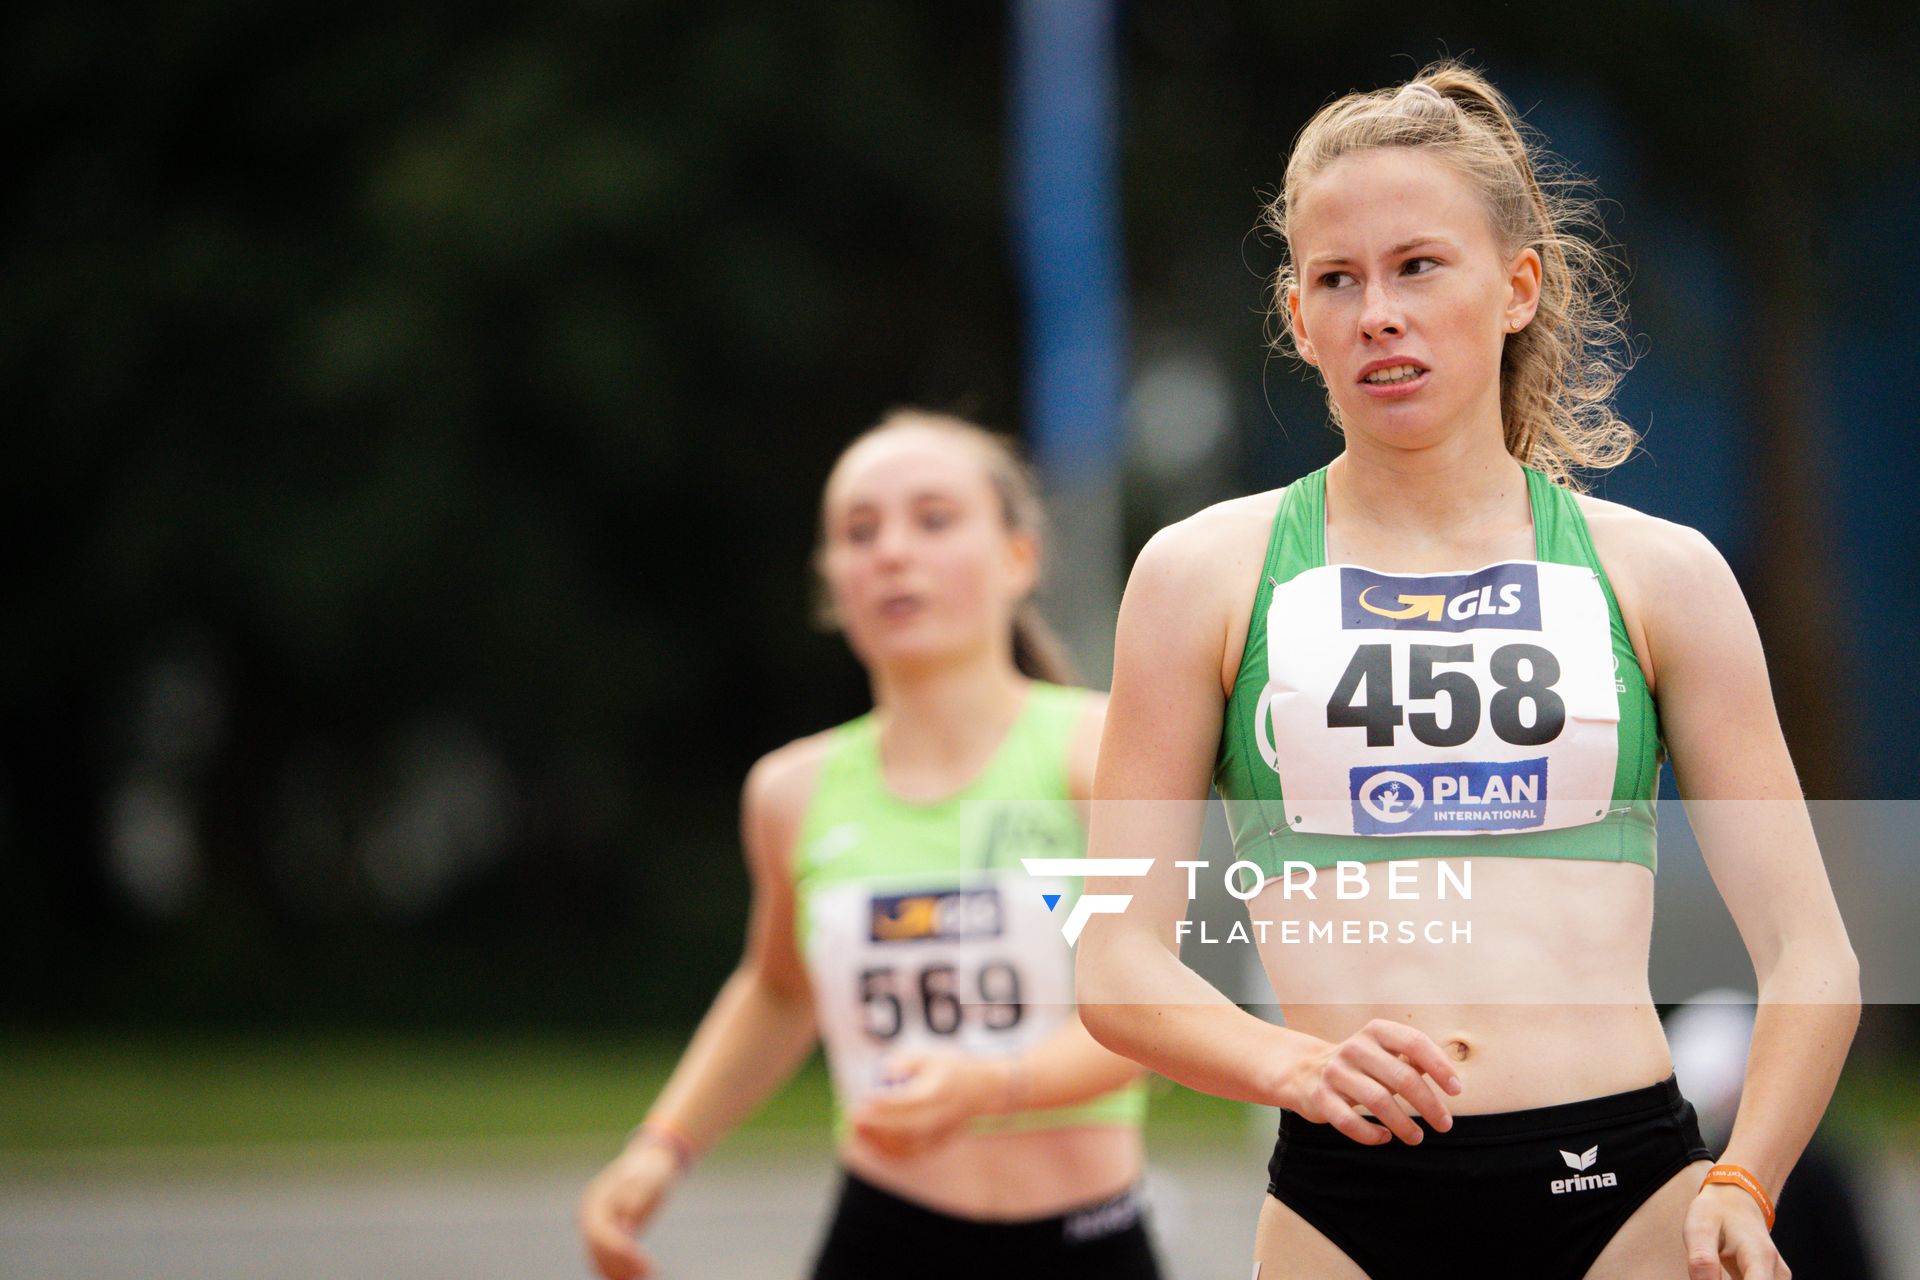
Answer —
(1725, 1229)
(933, 1094)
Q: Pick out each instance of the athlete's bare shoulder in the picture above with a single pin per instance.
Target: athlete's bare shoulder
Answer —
(1663, 573)
(1647, 548)
(1216, 542)
(1227, 521)
(778, 788)
(1192, 587)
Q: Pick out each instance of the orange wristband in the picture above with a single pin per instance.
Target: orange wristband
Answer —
(1734, 1176)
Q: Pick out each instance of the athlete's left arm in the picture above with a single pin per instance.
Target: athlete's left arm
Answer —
(1744, 801)
(941, 1091)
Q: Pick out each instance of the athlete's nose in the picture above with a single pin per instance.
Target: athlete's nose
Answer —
(890, 541)
(1381, 315)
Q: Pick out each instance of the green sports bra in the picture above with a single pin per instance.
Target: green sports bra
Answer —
(1380, 716)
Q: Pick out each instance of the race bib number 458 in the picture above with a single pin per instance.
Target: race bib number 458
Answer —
(1440, 704)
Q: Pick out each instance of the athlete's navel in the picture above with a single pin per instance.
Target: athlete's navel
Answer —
(1459, 1049)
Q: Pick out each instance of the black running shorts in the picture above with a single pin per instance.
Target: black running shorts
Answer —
(1534, 1193)
(876, 1235)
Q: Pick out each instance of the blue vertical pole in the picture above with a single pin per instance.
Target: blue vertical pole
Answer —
(1065, 143)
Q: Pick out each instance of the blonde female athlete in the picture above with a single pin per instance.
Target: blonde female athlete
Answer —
(980, 1129)
(1437, 663)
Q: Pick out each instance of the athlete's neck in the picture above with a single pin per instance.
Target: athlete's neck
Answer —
(940, 725)
(1470, 483)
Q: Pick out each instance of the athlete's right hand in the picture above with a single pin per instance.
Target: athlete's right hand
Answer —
(618, 1202)
(1381, 1062)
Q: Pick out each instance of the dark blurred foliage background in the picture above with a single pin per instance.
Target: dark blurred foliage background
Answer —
(417, 414)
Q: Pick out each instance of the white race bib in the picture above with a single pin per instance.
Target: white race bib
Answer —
(975, 966)
(1440, 704)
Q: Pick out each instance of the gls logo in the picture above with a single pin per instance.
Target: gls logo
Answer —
(1505, 596)
(1587, 1181)
(935, 914)
(1087, 904)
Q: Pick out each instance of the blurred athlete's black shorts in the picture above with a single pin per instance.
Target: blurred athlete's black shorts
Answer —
(876, 1235)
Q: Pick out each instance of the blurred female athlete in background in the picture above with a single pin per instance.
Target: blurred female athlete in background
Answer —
(980, 1129)
(1479, 698)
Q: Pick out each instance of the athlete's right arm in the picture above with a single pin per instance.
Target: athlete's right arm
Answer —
(1156, 760)
(757, 1032)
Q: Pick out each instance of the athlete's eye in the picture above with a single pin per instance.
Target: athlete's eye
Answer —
(1413, 264)
(935, 518)
(1334, 279)
(863, 532)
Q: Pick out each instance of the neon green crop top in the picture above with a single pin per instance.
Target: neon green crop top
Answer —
(919, 925)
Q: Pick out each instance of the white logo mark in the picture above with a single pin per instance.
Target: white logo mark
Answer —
(836, 842)
(1582, 1181)
(1263, 728)
(1392, 796)
(1089, 904)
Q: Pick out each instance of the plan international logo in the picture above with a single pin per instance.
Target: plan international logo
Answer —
(1468, 795)
(1505, 596)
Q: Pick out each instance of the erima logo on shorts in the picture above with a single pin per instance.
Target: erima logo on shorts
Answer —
(1584, 1181)
(936, 913)
(1102, 1220)
(1468, 795)
(1505, 596)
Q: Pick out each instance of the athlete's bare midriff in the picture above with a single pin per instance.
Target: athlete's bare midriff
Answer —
(1008, 1176)
(1545, 1000)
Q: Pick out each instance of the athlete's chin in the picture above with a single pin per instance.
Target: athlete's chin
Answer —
(929, 648)
(1411, 427)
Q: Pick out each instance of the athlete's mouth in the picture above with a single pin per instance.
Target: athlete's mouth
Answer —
(1392, 374)
(899, 606)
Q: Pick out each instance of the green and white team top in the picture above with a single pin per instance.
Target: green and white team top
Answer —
(1497, 711)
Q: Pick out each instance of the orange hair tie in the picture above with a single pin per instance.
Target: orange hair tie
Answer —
(1734, 1176)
